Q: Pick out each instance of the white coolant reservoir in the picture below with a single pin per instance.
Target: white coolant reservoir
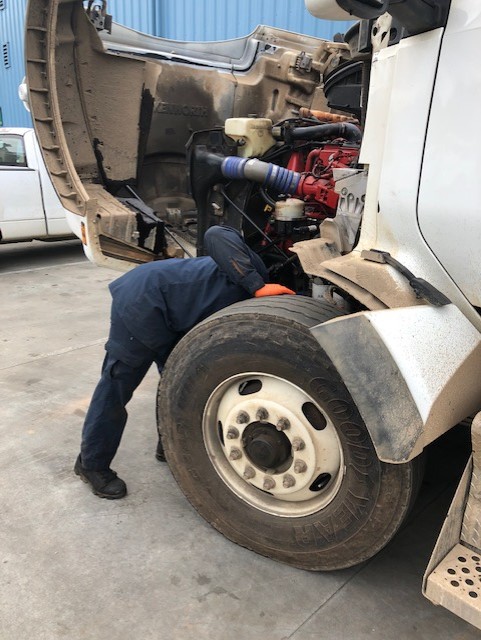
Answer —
(289, 210)
(254, 134)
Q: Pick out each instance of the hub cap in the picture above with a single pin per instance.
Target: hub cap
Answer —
(265, 447)
(273, 445)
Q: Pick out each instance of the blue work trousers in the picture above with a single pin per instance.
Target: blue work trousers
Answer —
(107, 415)
(125, 365)
(153, 306)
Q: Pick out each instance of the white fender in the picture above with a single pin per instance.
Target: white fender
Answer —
(413, 372)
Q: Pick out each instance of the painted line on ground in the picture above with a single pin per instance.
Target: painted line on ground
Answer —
(51, 354)
(51, 266)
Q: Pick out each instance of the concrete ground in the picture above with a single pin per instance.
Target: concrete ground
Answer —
(148, 567)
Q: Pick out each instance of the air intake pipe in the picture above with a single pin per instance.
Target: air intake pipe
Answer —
(265, 173)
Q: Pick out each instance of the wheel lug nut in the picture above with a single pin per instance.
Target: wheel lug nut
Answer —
(297, 444)
(249, 473)
(262, 414)
(288, 481)
(232, 433)
(235, 454)
(283, 424)
(269, 483)
(242, 417)
(300, 466)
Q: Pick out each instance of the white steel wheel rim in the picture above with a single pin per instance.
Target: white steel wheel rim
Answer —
(236, 426)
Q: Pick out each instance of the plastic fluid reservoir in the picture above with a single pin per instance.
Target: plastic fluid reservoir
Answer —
(288, 210)
(254, 134)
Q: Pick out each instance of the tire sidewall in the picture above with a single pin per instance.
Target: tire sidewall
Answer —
(222, 349)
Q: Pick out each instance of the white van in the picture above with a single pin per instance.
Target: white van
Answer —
(29, 206)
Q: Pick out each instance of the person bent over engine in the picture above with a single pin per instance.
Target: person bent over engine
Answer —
(153, 306)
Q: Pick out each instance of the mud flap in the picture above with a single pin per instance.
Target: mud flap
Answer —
(413, 372)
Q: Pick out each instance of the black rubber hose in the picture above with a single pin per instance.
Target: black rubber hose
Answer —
(345, 130)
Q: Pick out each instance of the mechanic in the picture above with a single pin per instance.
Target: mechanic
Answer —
(153, 306)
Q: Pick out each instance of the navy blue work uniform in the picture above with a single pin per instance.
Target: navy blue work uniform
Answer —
(153, 306)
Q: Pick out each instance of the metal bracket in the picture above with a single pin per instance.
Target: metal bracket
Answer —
(98, 15)
(303, 62)
(381, 32)
(424, 290)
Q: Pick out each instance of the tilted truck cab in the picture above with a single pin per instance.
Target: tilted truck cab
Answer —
(112, 120)
(304, 440)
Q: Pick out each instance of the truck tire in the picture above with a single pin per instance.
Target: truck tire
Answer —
(266, 443)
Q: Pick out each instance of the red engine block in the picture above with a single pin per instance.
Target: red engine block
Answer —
(316, 186)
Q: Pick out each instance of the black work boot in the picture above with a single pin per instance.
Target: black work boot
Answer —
(159, 454)
(105, 483)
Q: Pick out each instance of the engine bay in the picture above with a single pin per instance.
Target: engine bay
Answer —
(288, 194)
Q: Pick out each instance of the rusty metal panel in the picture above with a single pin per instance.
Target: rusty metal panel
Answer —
(12, 15)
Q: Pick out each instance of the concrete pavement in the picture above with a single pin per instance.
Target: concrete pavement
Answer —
(148, 567)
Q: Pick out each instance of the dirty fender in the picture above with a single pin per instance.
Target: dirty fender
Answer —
(413, 372)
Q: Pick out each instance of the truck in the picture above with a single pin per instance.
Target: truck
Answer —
(296, 425)
(30, 208)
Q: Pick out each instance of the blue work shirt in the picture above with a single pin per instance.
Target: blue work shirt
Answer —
(160, 301)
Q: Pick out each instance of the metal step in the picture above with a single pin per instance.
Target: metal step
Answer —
(471, 529)
(456, 584)
(453, 576)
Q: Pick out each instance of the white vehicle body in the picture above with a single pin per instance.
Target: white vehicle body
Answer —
(392, 372)
(422, 207)
(30, 208)
(418, 365)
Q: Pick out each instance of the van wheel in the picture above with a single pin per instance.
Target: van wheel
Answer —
(266, 443)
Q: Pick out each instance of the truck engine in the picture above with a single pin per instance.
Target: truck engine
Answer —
(277, 183)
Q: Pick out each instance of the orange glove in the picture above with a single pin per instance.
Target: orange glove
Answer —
(273, 290)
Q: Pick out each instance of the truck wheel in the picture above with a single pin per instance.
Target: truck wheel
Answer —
(266, 443)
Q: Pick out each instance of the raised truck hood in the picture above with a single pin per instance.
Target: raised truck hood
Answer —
(117, 112)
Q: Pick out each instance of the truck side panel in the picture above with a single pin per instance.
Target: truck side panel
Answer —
(450, 193)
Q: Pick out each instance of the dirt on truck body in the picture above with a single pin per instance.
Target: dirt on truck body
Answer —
(275, 449)
(121, 117)
(305, 441)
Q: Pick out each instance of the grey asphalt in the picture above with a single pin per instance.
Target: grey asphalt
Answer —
(148, 567)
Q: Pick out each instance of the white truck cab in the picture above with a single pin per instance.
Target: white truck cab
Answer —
(305, 440)
(30, 208)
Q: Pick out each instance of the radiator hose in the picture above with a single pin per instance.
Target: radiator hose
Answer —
(346, 130)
